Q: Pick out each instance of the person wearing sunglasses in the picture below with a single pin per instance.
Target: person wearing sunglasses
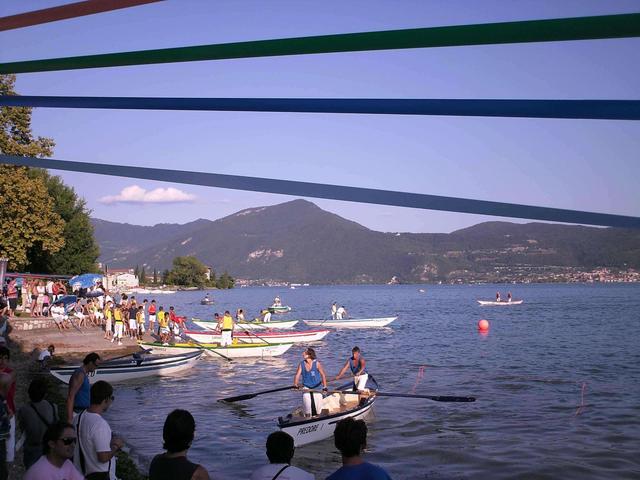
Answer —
(57, 444)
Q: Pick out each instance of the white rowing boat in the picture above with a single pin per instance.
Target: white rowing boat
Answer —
(240, 350)
(500, 303)
(334, 408)
(268, 336)
(137, 366)
(352, 322)
(284, 325)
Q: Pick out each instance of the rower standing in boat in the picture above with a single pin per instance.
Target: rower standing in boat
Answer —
(357, 364)
(313, 376)
(240, 315)
(277, 302)
(334, 310)
(266, 316)
(227, 330)
(509, 297)
(341, 313)
(497, 296)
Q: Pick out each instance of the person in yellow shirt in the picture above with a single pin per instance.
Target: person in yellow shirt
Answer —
(119, 324)
(140, 322)
(227, 329)
(163, 323)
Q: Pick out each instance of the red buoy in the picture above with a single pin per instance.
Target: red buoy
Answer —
(483, 325)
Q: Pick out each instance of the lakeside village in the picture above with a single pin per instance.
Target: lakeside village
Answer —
(499, 274)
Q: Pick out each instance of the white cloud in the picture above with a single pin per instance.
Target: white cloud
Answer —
(136, 194)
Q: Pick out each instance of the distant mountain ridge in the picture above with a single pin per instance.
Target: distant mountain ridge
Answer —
(297, 241)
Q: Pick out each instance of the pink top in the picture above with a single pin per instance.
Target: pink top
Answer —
(44, 470)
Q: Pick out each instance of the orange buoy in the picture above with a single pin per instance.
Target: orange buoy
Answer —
(483, 325)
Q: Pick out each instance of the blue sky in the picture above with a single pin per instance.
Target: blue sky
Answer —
(585, 165)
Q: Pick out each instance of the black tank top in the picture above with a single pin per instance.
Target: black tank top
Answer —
(177, 468)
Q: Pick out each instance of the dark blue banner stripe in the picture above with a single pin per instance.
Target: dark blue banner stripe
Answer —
(576, 109)
(334, 192)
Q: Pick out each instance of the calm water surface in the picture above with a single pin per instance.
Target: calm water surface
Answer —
(567, 346)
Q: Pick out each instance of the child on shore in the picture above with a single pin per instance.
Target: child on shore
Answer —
(140, 321)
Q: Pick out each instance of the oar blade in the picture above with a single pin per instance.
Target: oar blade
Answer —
(238, 398)
(436, 398)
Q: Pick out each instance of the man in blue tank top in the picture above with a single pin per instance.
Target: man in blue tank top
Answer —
(79, 396)
(357, 365)
(350, 437)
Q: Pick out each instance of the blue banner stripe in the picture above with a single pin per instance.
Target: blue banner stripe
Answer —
(334, 192)
(576, 109)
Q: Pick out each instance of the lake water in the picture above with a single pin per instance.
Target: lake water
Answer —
(557, 382)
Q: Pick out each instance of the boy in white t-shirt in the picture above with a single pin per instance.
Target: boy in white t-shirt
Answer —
(280, 451)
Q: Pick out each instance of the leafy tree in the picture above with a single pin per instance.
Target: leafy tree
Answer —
(27, 217)
(188, 271)
(80, 252)
(155, 276)
(69, 250)
(166, 276)
(225, 281)
(136, 272)
(142, 276)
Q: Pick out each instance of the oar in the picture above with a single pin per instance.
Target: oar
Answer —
(248, 330)
(436, 398)
(210, 349)
(252, 395)
(440, 398)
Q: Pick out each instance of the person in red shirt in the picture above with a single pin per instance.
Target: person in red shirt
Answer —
(5, 356)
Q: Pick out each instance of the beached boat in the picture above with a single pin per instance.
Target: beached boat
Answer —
(352, 322)
(270, 336)
(279, 309)
(500, 303)
(211, 325)
(136, 366)
(239, 350)
(335, 407)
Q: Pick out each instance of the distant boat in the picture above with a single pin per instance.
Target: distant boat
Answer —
(422, 290)
(500, 303)
(207, 301)
(353, 322)
(279, 309)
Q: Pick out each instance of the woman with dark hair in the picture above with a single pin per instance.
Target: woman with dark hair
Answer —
(178, 432)
(350, 437)
(312, 374)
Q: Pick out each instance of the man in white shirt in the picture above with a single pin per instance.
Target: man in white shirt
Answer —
(280, 451)
(96, 448)
(341, 313)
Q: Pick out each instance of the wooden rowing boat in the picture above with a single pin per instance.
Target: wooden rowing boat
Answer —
(240, 350)
(285, 325)
(266, 336)
(335, 407)
(138, 366)
(500, 303)
(352, 322)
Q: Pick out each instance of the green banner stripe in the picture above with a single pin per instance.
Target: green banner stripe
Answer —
(561, 29)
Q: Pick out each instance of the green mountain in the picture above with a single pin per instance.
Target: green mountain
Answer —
(299, 242)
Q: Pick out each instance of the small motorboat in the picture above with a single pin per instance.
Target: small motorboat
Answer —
(137, 366)
(207, 301)
(279, 309)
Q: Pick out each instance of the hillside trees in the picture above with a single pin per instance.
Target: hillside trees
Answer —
(47, 224)
(190, 272)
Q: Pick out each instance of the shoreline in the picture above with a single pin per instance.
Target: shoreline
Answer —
(25, 365)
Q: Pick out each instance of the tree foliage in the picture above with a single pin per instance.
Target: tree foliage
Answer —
(27, 217)
(55, 233)
(188, 271)
(225, 281)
